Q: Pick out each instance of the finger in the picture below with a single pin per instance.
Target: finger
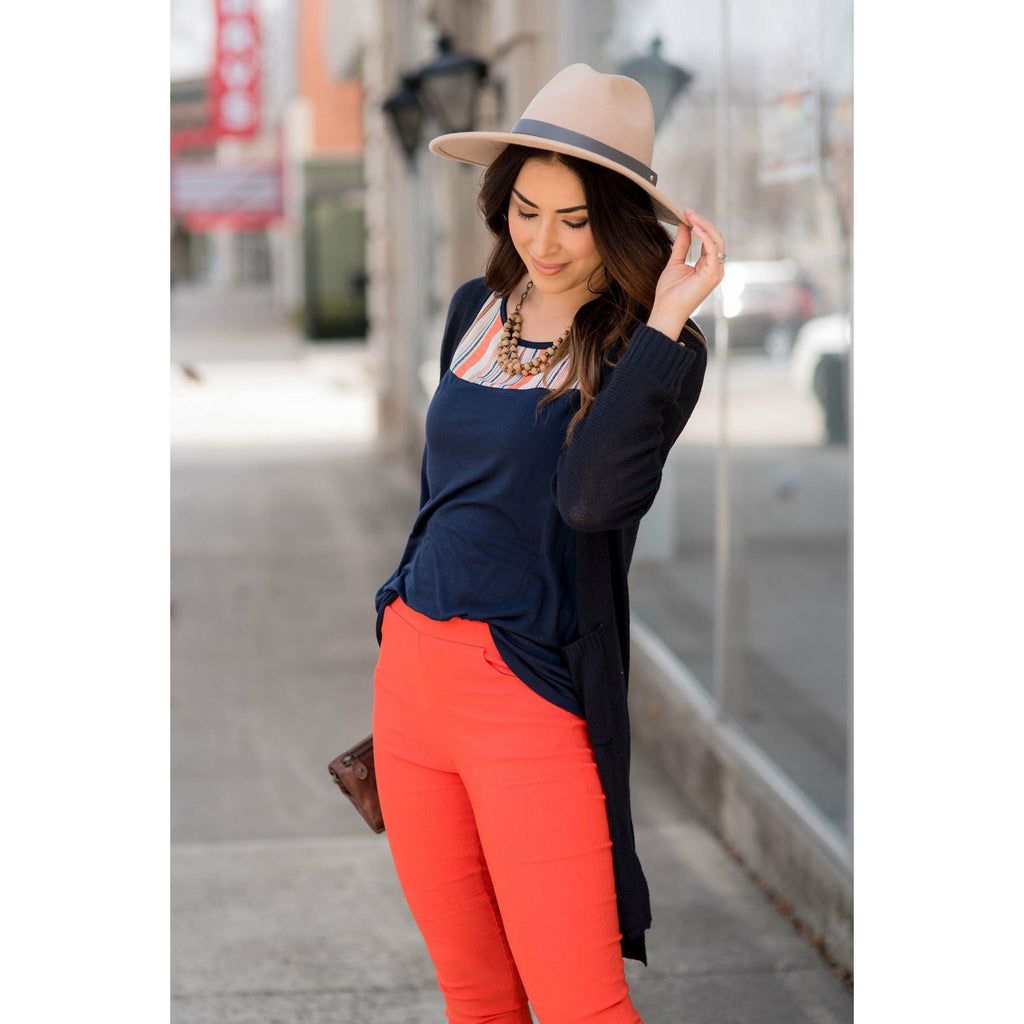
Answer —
(710, 267)
(696, 218)
(712, 240)
(715, 236)
(681, 245)
(709, 246)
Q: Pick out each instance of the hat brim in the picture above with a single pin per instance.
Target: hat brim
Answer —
(482, 148)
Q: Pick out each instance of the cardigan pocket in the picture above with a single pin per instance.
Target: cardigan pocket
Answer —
(588, 659)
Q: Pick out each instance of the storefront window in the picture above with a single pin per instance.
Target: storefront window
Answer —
(743, 565)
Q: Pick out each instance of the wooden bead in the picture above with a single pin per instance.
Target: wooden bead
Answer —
(508, 346)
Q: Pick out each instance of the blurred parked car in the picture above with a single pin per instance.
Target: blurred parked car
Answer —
(766, 303)
(820, 362)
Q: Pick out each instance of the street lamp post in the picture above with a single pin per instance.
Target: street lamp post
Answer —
(448, 87)
(444, 89)
(662, 80)
(407, 115)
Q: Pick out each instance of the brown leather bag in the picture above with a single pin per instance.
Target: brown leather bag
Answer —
(354, 774)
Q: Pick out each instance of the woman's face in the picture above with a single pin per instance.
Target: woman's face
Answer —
(547, 219)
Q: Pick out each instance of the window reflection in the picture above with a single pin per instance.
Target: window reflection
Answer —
(775, 408)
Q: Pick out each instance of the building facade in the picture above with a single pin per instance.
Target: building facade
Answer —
(282, 208)
(227, 168)
(325, 152)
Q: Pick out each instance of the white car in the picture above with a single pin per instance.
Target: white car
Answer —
(820, 362)
(765, 302)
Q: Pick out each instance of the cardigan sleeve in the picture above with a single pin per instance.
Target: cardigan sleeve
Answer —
(609, 474)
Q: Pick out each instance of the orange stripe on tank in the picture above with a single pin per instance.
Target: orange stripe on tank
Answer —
(482, 352)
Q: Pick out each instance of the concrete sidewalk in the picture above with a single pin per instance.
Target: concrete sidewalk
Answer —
(285, 907)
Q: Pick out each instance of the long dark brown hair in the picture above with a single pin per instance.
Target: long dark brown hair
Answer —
(634, 248)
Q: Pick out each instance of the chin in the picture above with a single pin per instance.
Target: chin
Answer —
(563, 281)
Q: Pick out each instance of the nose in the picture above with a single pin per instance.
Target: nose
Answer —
(545, 241)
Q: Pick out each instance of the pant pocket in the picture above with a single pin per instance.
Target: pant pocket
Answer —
(492, 656)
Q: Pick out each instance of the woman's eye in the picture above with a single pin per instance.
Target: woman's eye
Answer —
(576, 225)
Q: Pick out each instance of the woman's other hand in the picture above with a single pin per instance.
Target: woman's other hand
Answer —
(682, 288)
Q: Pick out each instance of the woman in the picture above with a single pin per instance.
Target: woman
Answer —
(500, 725)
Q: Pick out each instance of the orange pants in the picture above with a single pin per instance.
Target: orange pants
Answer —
(496, 820)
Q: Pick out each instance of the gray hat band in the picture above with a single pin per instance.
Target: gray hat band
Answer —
(553, 133)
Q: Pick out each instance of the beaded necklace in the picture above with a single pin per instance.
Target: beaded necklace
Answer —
(508, 347)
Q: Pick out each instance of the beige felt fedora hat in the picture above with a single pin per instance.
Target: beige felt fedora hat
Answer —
(606, 119)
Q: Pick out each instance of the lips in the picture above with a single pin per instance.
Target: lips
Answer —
(547, 268)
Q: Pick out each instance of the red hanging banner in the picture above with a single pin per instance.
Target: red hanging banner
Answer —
(235, 79)
(242, 197)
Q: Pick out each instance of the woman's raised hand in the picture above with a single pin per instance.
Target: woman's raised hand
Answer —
(682, 288)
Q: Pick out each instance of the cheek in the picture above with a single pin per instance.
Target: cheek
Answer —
(517, 231)
(586, 250)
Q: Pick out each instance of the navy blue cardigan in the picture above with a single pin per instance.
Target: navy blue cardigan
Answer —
(604, 482)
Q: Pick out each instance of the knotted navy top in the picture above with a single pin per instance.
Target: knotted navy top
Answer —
(489, 543)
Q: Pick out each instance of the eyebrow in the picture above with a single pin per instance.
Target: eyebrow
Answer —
(568, 209)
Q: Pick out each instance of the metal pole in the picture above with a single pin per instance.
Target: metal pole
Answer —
(720, 660)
